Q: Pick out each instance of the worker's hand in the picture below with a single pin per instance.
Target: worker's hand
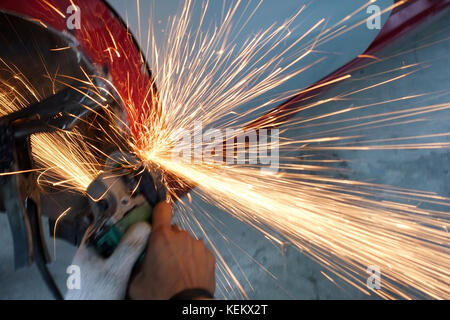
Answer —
(174, 261)
(107, 279)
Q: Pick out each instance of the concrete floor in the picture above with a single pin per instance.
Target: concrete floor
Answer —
(297, 276)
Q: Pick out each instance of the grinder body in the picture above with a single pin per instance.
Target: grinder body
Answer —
(119, 198)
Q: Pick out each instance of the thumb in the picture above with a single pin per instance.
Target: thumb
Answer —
(162, 215)
(130, 247)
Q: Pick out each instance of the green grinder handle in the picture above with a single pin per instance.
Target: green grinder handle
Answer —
(106, 245)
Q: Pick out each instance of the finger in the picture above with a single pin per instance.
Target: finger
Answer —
(176, 228)
(130, 247)
(87, 255)
(85, 252)
(162, 215)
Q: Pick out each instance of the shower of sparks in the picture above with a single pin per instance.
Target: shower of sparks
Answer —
(64, 155)
(203, 76)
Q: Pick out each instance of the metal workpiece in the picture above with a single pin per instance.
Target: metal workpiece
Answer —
(63, 86)
(60, 103)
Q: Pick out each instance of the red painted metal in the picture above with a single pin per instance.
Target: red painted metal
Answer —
(104, 40)
(402, 19)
